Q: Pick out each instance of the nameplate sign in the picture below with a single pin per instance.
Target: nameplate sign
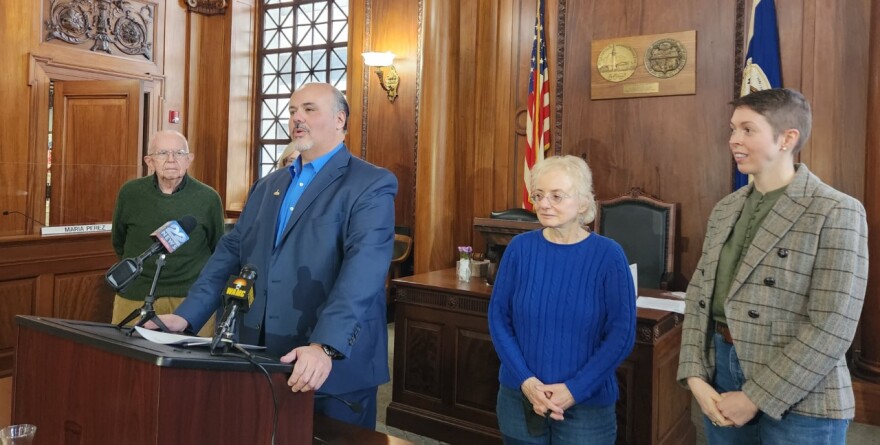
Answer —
(73, 230)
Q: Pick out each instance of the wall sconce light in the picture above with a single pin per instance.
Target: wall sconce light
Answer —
(387, 78)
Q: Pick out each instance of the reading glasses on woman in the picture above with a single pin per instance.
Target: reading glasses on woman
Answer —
(164, 154)
(554, 197)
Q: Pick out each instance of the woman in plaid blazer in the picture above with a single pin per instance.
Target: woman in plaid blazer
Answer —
(774, 303)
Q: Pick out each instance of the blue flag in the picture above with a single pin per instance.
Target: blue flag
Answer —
(763, 69)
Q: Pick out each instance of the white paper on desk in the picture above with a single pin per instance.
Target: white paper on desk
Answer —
(164, 338)
(661, 304)
(634, 271)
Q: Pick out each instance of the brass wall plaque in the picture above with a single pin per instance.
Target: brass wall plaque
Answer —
(665, 58)
(665, 66)
(617, 62)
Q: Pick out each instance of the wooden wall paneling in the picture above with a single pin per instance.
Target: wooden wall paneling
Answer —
(209, 98)
(15, 20)
(94, 59)
(674, 147)
(436, 177)
(524, 25)
(53, 277)
(489, 119)
(96, 141)
(16, 297)
(240, 136)
(174, 61)
(476, 33)
(391, 127)
(83, 296)
(37, 165)
(358, 76)
(866, 360)
(835, 78)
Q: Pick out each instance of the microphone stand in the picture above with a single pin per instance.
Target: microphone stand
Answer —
(147, 312)
(225, 331)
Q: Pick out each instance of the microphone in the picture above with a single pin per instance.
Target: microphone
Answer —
(170, 236)
(239, 289)
(238, 296)
(7, 212)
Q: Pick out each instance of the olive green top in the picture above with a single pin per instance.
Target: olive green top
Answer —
(754, 211)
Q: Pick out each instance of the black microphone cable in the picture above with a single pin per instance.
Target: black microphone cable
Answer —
(355, 407)
(251, 358)
(8, 212)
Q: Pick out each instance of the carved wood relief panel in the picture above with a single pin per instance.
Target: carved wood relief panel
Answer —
(123, 28)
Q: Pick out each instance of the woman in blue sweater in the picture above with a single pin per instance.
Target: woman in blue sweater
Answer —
(562, 317)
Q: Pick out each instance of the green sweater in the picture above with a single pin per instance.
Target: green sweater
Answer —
(141, 208)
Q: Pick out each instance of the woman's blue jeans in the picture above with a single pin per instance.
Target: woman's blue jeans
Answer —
(793, 429)
(583, 425)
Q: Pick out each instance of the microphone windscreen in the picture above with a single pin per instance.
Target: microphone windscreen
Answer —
(187, 223)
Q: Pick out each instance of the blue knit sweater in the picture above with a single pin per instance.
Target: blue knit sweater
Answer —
(564, 313)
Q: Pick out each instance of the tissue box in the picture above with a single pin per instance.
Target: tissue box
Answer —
(478, 268)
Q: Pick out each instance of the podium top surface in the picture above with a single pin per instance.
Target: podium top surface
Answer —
(109, 338)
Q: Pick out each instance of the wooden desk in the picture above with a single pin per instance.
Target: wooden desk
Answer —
(446, 369)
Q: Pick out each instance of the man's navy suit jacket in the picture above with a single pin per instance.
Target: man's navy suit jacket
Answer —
(325, 280)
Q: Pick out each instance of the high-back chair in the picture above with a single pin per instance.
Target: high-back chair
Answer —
(646, 228)
(402, 250)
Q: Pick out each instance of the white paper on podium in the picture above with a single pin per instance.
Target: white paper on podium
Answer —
(634, 271)
(164, 338)
(661, 304)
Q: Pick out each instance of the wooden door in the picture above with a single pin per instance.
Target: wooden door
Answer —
(96, 134)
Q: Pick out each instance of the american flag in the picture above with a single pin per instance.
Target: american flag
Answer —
(538, 104)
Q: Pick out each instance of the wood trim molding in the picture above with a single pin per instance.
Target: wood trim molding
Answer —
(68, 71)
(365, 79)
(560, 69)
(739, 45)
(419, 58)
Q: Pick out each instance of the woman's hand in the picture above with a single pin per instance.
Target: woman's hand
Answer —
(541, 402)
(708, 398)
(560, 396)
(737, 407)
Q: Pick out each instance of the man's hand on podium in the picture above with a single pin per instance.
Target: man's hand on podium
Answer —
(311, 369)
(174, 323)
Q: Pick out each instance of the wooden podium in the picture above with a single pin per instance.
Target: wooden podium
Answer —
(87, 383)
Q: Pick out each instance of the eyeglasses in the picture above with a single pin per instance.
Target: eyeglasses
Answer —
(163, 154)
(554, 198)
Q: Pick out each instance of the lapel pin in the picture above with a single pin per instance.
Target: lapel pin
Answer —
(277, 192)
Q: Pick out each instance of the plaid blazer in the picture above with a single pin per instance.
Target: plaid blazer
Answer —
(794, 303)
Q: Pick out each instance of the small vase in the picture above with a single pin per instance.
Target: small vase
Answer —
(464, 270)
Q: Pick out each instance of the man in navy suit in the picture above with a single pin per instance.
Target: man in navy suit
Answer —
(320, 234)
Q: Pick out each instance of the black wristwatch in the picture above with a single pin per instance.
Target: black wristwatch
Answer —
(332, 353)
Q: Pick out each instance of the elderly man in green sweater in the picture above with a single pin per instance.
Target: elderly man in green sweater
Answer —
(146, 203)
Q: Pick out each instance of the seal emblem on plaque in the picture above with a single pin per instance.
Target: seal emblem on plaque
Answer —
(665, 58)
(616, 62)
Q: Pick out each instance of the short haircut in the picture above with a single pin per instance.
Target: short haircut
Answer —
(577, 170)
(784, 109)
(151, 148)
(340, 103)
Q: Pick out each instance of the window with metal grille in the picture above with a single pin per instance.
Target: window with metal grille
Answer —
(300, 42)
